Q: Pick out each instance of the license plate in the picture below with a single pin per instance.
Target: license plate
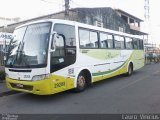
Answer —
(19, 85)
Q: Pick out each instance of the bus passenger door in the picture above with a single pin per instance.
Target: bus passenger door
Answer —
(64, 54)
(57, 63)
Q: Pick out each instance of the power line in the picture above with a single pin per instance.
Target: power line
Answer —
(75, 3)
(49, 2)
(61, 6)
(105, 3)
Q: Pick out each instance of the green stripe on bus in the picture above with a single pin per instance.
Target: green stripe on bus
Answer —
(107, 72)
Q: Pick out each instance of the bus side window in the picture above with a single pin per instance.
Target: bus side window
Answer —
(66, 47)
(119, 42)
(88, 39)
(135, 43)
(141, 44)
(129, 43)
(93, 39)
(84, 38)
(68, 32)
(59, 51)
(138, 42)
(106, 40)
(57, 57)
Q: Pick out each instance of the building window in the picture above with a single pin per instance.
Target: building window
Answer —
(121, 29)
(125, 18)
(131, 22)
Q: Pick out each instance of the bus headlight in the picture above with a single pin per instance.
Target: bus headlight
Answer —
(40, 77)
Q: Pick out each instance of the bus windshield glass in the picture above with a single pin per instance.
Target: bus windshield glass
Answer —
(28, 48)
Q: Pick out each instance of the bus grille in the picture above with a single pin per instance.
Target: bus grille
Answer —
(21, 86)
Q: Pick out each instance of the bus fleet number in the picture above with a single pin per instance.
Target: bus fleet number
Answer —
(59, 84)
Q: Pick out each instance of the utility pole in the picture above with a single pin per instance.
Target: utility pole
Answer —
(147, 17)
(67, 9)
(146, 7)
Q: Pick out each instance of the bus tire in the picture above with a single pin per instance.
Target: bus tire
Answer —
(81, 83)
(130, 70)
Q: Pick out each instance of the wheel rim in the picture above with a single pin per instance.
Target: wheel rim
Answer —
(81, 81)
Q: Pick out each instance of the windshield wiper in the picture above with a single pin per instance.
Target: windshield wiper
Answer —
(27, 64)
(24, 60)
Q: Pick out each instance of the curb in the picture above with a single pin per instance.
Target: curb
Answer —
(7, 93)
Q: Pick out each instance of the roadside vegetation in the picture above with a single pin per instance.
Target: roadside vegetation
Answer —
(2, 76)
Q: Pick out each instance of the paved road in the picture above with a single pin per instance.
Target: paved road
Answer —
(139, 93)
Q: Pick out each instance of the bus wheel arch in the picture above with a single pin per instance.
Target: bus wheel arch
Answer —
(83, 78)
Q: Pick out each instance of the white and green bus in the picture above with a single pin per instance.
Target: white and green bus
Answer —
(50, 56)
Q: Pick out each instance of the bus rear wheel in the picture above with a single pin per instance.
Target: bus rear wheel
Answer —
(81, 83)
(130, 69)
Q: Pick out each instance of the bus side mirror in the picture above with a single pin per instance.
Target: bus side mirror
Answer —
(55, 36)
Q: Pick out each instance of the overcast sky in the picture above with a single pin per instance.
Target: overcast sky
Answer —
(32, 8)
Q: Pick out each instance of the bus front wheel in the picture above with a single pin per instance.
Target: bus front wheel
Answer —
(81, 83)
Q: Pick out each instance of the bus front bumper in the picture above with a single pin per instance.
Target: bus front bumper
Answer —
(41, 87)
(52, 85)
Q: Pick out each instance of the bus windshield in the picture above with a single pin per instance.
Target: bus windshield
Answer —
(28, 48)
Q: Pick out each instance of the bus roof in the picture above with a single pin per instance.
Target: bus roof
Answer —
(74, 23)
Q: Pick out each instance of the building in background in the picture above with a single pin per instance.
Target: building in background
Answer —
(114, 19)
(5, 21)
(5, 39)
(106, 17)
